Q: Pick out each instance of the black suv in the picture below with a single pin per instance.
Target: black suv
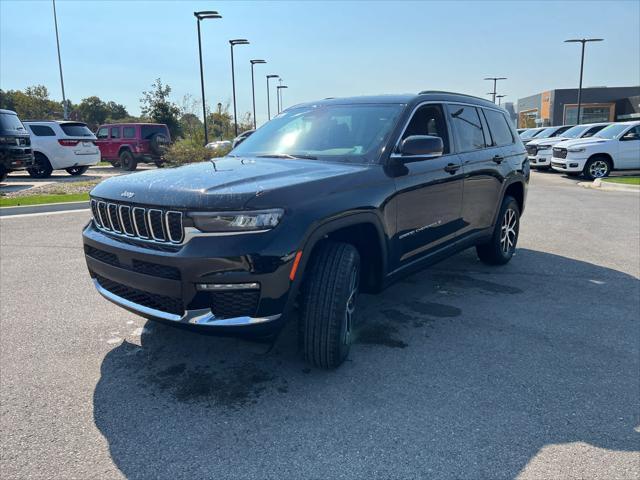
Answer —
(326, 200)
(15, 144)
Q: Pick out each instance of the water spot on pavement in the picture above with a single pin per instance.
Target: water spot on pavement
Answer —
(378, 334)
(397, 316)
(451, 281)
(433, 309)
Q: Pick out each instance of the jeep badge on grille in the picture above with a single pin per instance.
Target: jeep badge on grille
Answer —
(126, 194)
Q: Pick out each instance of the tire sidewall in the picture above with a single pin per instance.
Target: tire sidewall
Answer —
(127, 161)
(587, 167)
(44, 168)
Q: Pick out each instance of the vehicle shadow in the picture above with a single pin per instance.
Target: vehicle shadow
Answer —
(460, 371)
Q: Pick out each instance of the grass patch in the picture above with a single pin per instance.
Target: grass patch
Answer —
(104, 164)
(625, 180)
(43, 199)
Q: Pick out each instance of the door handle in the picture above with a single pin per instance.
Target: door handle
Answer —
(498, 159)
(451, 168)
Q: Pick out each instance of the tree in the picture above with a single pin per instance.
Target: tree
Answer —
(156, 106)
(220, 123)
(92, 111)
(33, 103)
(116, 111)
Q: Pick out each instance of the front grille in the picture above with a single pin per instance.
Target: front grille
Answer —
(239, 303)
(138, 222)
(138, 266)
(532, 149)
(560, 152)
(140, 297)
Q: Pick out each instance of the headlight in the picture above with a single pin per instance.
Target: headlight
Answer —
(236, 221)
(576, 149)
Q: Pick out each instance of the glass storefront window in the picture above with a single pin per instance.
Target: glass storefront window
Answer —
(590, 114)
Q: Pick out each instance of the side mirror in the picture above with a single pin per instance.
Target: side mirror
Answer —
(421, 145)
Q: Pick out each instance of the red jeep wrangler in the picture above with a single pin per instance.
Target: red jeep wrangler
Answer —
(126, 144)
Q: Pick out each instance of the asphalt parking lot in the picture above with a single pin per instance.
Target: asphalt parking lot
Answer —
(463, 371)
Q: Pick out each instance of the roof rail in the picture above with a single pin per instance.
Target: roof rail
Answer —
(424, 92)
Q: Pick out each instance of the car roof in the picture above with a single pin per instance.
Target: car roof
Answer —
(402, 99)
(129, 124)
(59, 122)
(10, 112)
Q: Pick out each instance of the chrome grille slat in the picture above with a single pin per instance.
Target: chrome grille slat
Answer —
(147, 224)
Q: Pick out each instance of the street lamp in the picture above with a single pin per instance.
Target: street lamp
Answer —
(253, 90)
(269, 77)
(233, 43)
(65, 109)
(203, 16)
(280, 106)
(495, 80)
(583, 41)
(500, 97)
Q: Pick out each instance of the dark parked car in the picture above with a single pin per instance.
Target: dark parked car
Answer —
(126, 144)
(327, 200)
(15, 144)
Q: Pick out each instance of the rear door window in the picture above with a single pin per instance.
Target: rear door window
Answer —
(129, 132)
(42, 131)
(500, 130)
(467, 127)
(115, 132)
(76, 130)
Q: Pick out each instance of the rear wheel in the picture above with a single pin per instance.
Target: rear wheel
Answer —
(597, 167)
(114, 163)
(502, 245)
(42, 167)
(329, 297)
(159, 163)
(127, 161)
(3, 173)
(76, 171)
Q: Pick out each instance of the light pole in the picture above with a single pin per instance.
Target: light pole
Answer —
(583, 41)
(233, 43)
(280, 106)
(65, 112)
(269, 77)
(500, 97)
(495, 80)
(253, 90)
(202, 16)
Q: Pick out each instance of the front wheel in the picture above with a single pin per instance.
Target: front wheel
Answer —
(597, 167)
(329, 298)
(3, 173)
(42, 167)
(76, 171)
(502, 245)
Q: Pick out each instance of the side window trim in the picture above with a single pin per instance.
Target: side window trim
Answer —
(489, 141)
(443, 105)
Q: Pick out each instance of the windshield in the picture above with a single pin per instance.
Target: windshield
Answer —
(547, 132)
(348, 133)
(612, 131)
(575, 132)
(530, 133)
(11, 122)
(76, 129)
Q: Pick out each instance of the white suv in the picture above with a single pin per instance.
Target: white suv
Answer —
(539, 150)
(61, 145)
(616, 147)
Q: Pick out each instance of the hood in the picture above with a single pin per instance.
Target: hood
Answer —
(583, 142)
(227, 184)
(547, 141)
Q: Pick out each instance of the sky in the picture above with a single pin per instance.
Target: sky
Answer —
(116, 49)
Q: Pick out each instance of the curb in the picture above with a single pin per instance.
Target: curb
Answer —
(598, 184)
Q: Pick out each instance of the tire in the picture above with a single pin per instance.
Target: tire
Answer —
(42, 167)
(77, 171)
(159, 144)
(159, 163)
(127, 161)
(328, 301)
(3, 173)
(502, 245)
(597, 167)
(114, 163)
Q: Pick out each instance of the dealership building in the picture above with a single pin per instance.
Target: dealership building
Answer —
(560, 107)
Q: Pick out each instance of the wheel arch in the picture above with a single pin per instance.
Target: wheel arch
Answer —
(604, 156)
(123, 148)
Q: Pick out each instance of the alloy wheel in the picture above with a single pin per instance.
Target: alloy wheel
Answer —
(508, 231)
(598, 169)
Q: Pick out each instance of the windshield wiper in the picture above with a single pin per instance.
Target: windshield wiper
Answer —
(286, 155)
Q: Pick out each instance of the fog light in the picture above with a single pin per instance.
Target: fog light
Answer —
(216, 287)
(573, 165)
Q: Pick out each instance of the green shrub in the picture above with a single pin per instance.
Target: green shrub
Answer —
(187, 151)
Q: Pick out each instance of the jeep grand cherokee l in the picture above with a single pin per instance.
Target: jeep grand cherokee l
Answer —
(327, 200)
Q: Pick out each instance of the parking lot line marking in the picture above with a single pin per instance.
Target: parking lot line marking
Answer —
(22, 215)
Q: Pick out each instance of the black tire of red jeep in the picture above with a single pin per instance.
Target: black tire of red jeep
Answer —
(494, 252)
(42, 168)
(159, 143)
(127, 161)
(115, 163)
(328, 291)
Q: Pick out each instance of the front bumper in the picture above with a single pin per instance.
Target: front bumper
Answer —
(541, 159)
(571, 165)
(17, 158)
(165, 282)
